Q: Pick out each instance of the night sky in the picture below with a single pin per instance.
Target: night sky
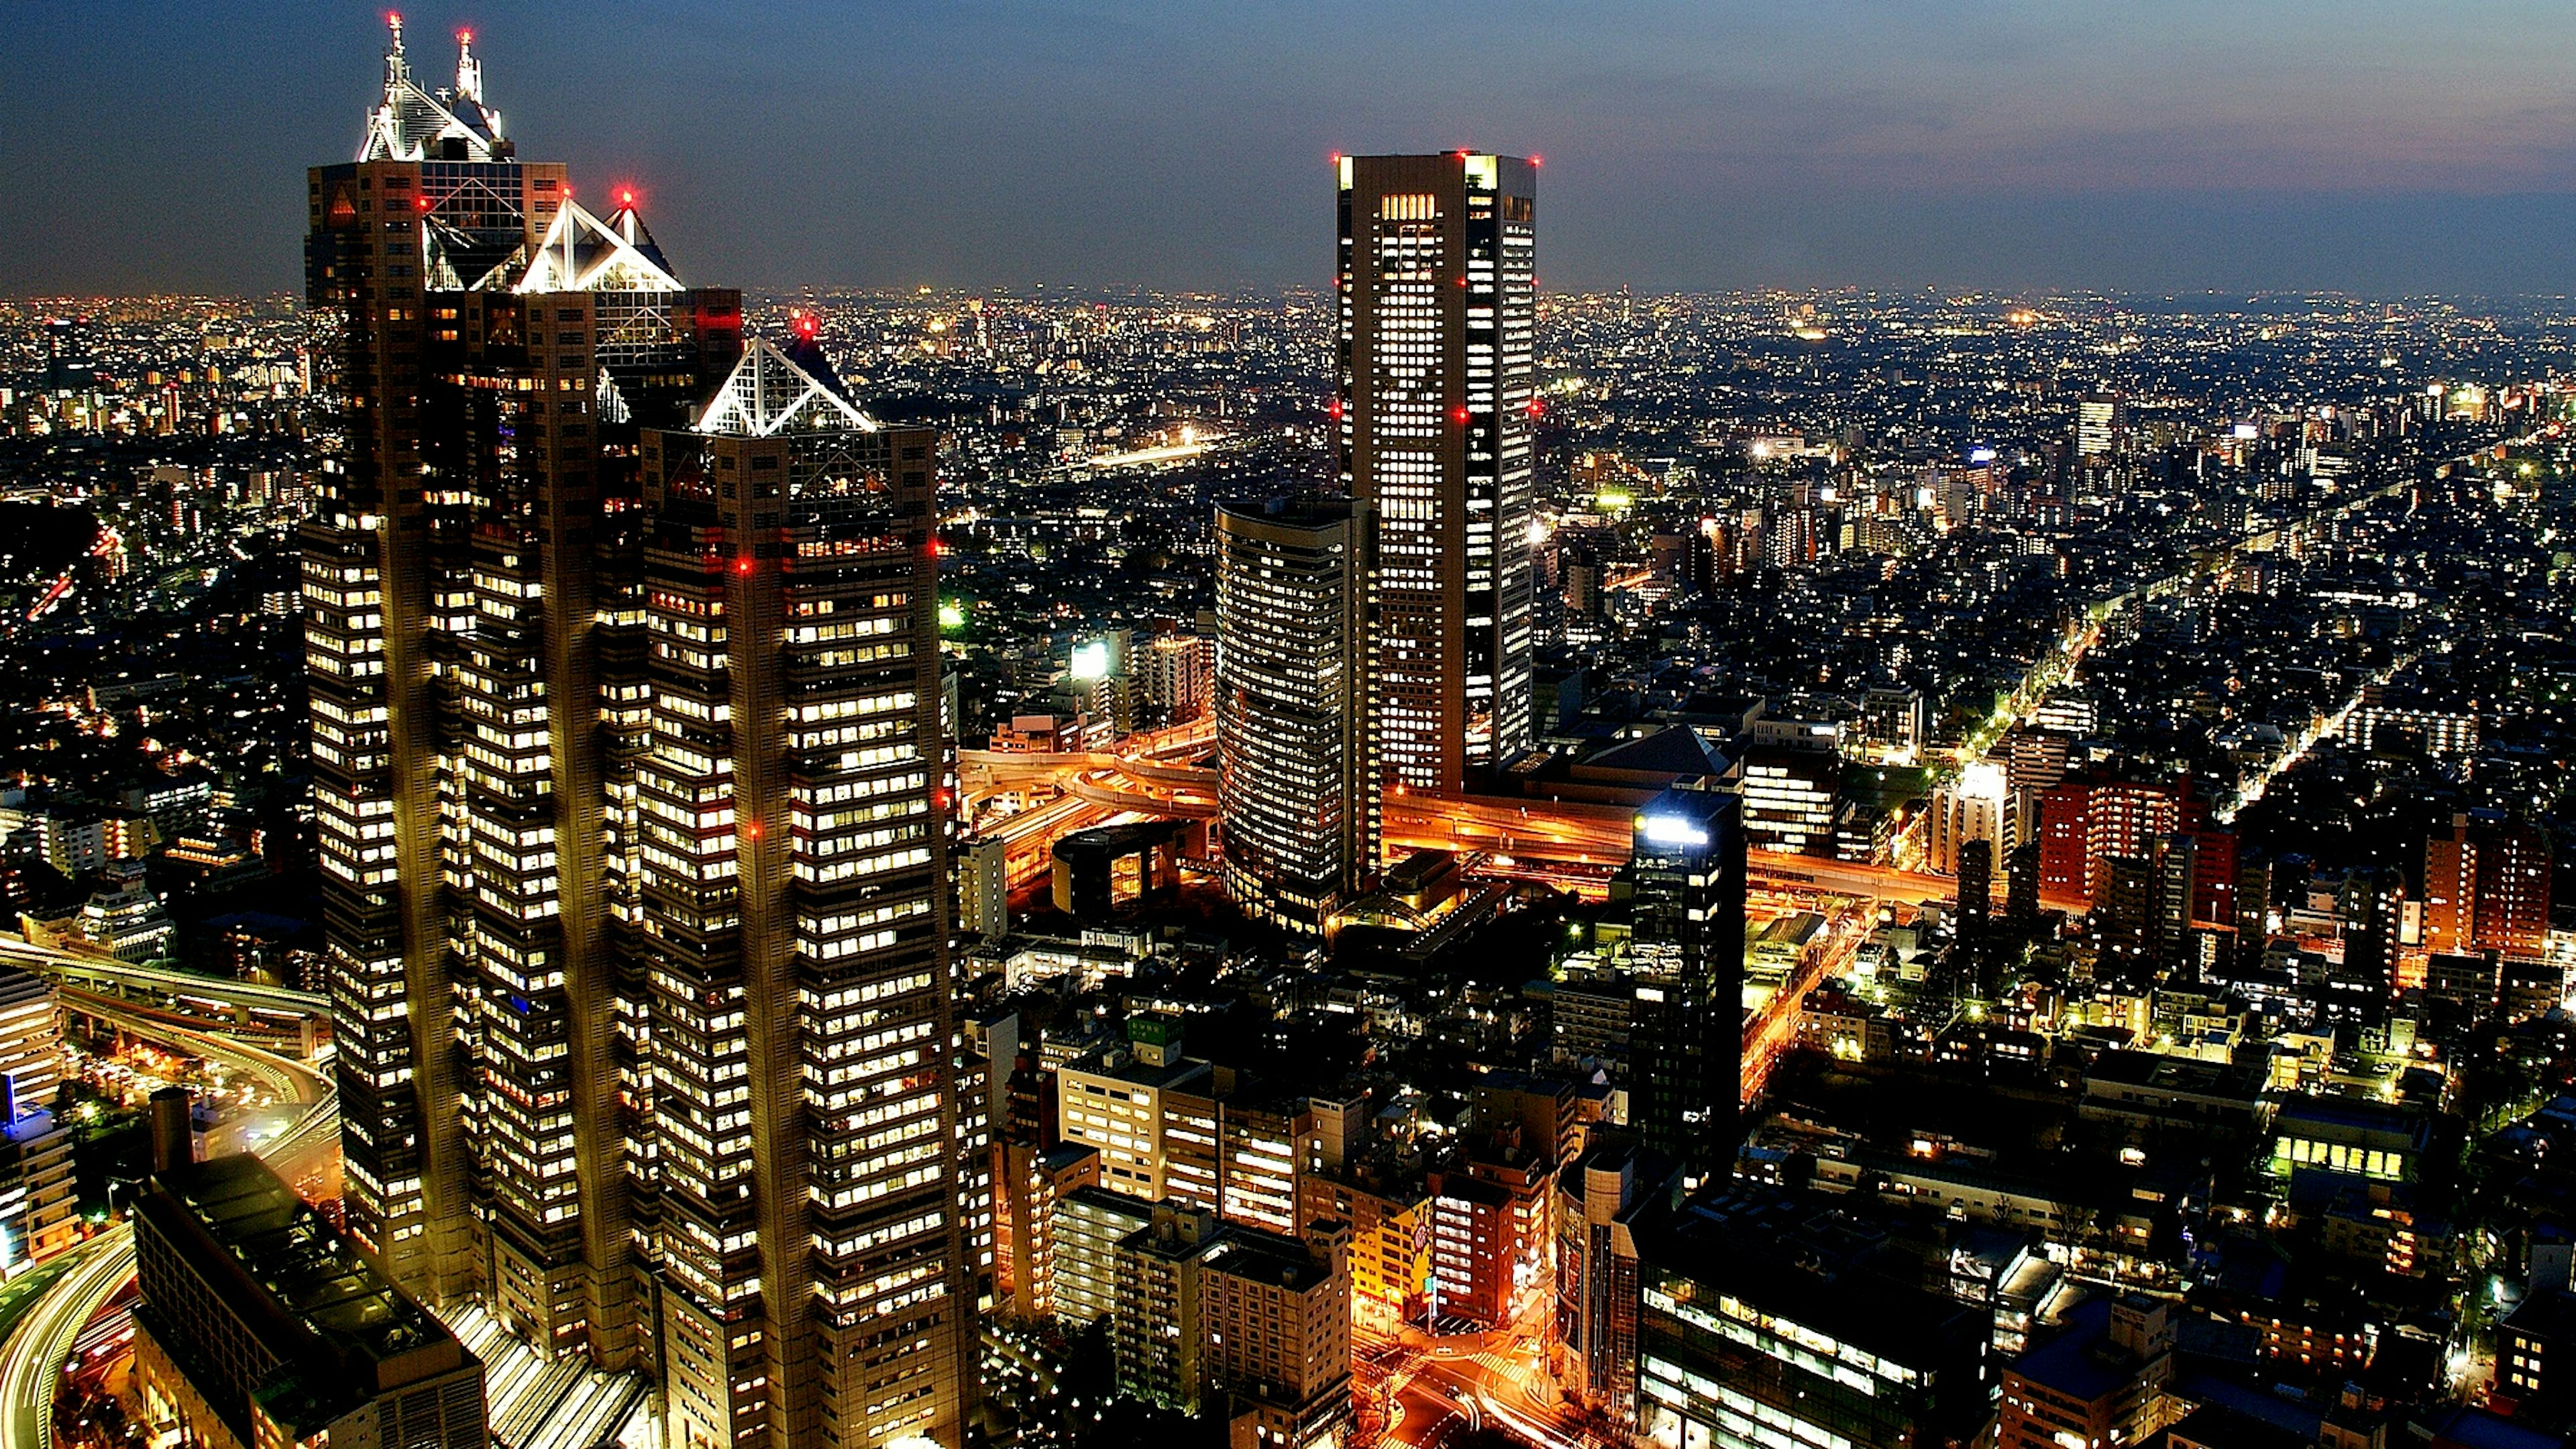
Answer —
(2151, 145)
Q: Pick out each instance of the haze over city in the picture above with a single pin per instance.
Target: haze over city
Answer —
(1046, 726)
(2377, 147)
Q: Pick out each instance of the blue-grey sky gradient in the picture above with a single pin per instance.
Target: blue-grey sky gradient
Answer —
(2020, 144)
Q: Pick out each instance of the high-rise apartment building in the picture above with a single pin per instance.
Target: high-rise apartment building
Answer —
(2487, 887)
(1176, 673)
(632, 784)
(1436, 409)
(1684, 887)
(2086, 823)
(1298, 793)
(1277, 1314)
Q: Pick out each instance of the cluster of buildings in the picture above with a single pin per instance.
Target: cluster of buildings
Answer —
(1902, 987)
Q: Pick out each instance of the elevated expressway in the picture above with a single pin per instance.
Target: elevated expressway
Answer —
(1588, 838)
(31, 1362)
(273, 1016)
(202, 1016)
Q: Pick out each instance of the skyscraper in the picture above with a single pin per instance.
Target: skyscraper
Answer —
(1298, 790)
(1438, 310)
(1684, 886)
(811, 1275)
(2101, 418)
(529, 420)
(1976, 908)
(435, 196)
(632, 785)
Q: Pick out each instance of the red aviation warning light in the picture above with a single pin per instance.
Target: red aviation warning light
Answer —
(805, 325)
(742, 566)
(1334, 408)
(1458, 415)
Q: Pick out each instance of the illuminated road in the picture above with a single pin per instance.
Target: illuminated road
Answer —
(283, 1077)
(276, 1012)
(1427, 1413)
(1561, 833)
(31, 1361)
(1770, 1031)
(1495, 1380)
(1192, 445)
(1029, 836)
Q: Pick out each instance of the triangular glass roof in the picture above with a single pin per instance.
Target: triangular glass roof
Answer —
(581, 253)
(769, 394)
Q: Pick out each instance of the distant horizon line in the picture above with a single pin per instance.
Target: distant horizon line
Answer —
(788, 294)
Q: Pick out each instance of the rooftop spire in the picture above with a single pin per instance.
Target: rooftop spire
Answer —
(469, 71)
(411, 124)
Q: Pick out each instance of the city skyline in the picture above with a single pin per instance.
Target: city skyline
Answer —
(592, 857)
(1845, 145)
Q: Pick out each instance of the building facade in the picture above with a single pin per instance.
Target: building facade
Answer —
(633, 799)
(1435, 414)
(257, 1324)
(1298, 782)
(1685, 888)
(791, 837)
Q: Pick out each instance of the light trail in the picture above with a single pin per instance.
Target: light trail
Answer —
(31, 1362)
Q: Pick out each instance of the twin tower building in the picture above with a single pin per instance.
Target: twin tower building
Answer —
(634, 786)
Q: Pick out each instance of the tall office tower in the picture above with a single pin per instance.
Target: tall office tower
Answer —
(436, 197)
(1439, 306)
(1605, 1200)
(1976, 908)
(2021, 885)
(1685, 890)
(810, 1275)
(1298, 790)
(2100, 420)
(633, 796)
(70, 366)
(531, 416)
